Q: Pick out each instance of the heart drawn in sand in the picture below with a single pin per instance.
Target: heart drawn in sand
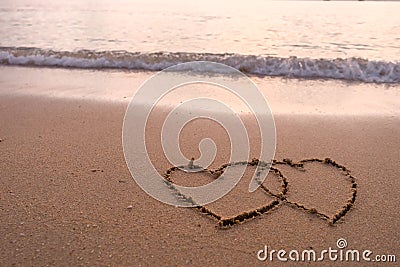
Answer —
(281, 198)
(340, 211)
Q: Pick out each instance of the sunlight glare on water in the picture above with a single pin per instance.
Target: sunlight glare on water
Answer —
(312, 29)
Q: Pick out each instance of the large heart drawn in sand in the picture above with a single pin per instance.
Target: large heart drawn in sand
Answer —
(283, 197)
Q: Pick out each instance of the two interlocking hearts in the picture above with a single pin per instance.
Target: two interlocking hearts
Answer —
(278, 198)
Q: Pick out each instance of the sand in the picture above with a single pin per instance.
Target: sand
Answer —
(67, 197)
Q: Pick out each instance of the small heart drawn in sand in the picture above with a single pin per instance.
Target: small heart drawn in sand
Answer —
(326, 189)
(274, 199)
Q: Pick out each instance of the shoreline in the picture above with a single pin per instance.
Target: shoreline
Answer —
(284, 95)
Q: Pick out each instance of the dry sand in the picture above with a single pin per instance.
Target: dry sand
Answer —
(65, 190)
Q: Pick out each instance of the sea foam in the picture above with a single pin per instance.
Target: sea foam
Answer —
(354, 69)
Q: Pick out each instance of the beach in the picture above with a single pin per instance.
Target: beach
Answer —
(67, 197)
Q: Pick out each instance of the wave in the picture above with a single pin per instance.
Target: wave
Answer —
(354, 69)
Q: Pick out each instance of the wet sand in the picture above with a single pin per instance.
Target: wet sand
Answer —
(67, 197)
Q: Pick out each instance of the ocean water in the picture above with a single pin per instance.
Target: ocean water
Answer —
(346, 40)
